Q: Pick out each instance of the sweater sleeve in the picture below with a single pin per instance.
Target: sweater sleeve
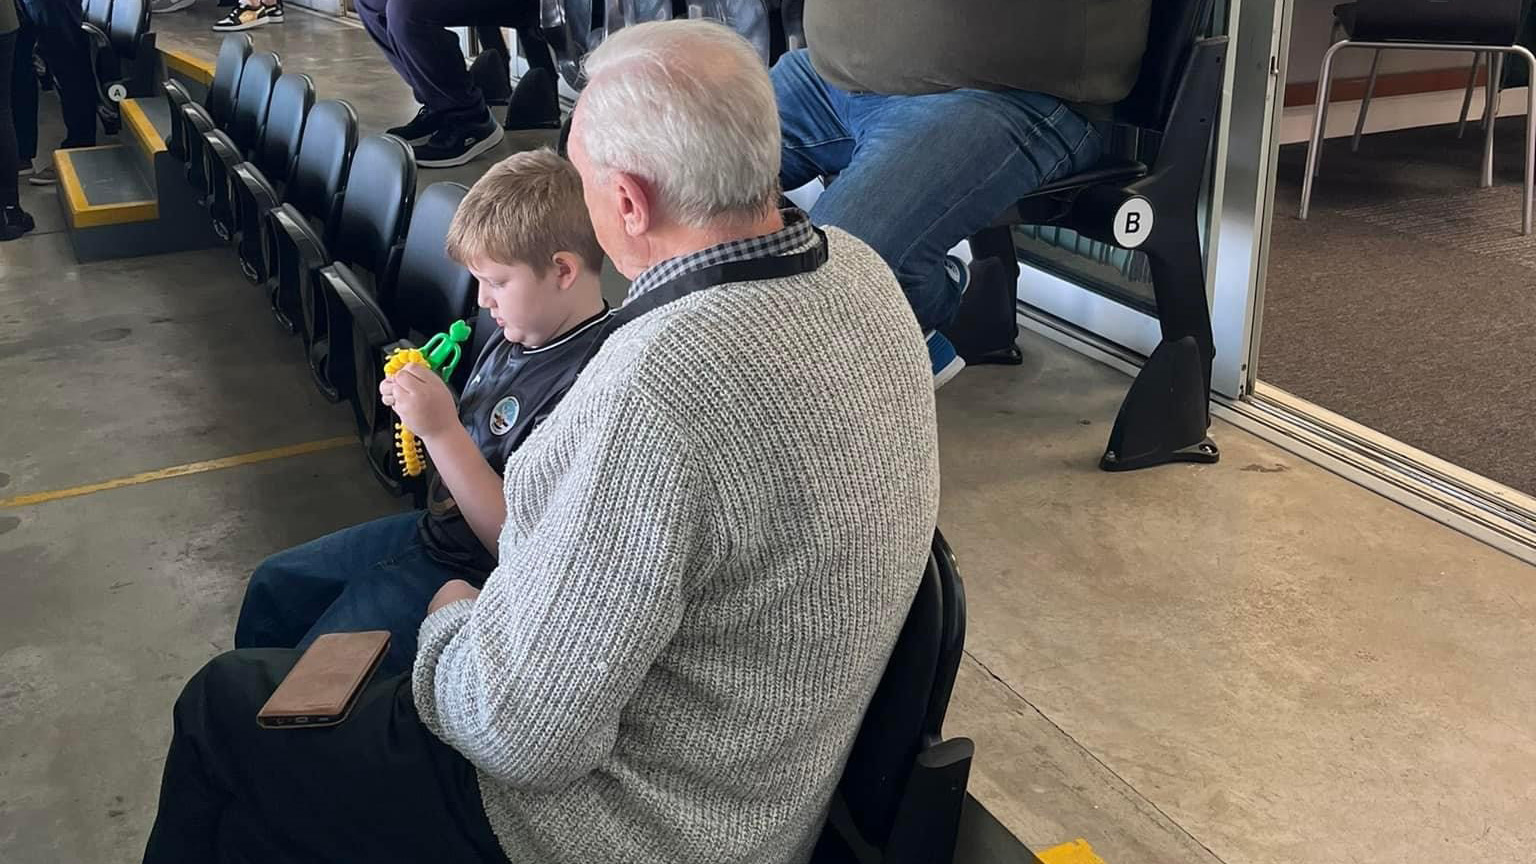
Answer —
(529, 680)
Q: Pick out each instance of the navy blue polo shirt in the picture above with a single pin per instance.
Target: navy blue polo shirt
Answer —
(510, 391)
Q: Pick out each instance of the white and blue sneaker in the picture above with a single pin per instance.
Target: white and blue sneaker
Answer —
(946, 361)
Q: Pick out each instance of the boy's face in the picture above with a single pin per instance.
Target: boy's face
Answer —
(528, 307)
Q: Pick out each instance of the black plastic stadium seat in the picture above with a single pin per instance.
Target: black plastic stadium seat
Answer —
(292, 97)
(124, 61)
(256, 191)
(230, 146)
(255, 199)
(903, 787)
(233, 53)
(428, 291)
(216, 114)
(375, 207)
(312, 196)
(177, 98)
(1148, 201)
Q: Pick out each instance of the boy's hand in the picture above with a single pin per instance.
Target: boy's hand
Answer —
(423, 401)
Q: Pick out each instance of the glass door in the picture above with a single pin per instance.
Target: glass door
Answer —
(1385, 323)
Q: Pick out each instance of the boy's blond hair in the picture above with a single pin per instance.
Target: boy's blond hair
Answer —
(523, 211)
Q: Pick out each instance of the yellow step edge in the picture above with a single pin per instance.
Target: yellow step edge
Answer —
(182, 63)
(1076, 852)
(86, 215)
(144, 131)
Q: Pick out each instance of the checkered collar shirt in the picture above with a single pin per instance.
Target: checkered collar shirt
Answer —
(796, 236)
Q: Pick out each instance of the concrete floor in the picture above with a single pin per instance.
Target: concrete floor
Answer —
(1250, 662)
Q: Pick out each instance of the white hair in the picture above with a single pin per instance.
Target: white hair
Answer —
(688, 107)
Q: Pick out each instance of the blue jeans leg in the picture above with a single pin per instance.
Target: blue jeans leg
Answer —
(307, 587)
(816, 141)
(923, 172)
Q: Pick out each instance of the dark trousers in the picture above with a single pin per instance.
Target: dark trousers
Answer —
(373, 576)
(54, 27)
(377, 788)
(414, 37)
(8, 166)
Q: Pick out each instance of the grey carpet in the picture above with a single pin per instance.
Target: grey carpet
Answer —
(1407, 302)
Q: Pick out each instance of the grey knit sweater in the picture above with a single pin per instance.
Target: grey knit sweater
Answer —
(709, 550)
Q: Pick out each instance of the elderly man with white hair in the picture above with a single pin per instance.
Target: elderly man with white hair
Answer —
(709, 547)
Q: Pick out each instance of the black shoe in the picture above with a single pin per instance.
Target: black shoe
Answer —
(535, 104)
(490, 74)
(458, 143)
(245, 17)
(14, 222)
(423, 126)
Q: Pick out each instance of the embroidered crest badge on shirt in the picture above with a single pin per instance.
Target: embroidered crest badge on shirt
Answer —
(504, 416)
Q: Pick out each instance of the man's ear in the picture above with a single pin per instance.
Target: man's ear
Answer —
(635, 207)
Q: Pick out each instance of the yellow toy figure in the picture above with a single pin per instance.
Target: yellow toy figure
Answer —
(441, 354)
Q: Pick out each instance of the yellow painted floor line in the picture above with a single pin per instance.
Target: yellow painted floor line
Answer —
(1076, 852)
(182, 471)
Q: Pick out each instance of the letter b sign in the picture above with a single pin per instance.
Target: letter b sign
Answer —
(1133, 222)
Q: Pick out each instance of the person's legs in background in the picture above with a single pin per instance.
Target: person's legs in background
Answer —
(379, 787)
(63, 46)
(535, 103)
(24, 94)
(925, 172)
(14, 221)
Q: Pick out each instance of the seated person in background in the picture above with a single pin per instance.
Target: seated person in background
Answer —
(455, 124)
(936, 116)
(523, 232)
(709, 550)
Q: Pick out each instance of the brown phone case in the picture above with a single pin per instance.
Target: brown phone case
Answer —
(321, 687)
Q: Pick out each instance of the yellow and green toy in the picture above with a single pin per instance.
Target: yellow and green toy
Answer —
(441, 354)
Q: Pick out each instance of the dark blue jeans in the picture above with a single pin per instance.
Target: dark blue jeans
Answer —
(918, 174)
(374, 576)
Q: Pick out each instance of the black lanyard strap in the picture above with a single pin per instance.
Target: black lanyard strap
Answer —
(680, 286)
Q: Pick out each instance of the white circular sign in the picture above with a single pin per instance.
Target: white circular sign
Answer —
(117, 92)
(1133, 222)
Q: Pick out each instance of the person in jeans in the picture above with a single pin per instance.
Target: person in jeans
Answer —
(454, 124)
(52, 27)
(14, 221)
(940, 115)
(709, 549)
(523, 231)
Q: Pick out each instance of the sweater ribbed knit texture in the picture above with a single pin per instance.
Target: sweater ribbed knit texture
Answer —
(710, 548)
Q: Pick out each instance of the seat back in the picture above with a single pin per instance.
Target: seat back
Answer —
(1477, 22)
(176, 98)
(429, 291)
(1172, 29)
(292, 97)
(233, 52)
(127, 23)
(253, 98)
(325, 154)
(98, 14)
(906, 713)
(381, 187)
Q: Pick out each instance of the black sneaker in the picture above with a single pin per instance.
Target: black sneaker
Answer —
(535, 104)
(14, 222)
(458, 143)
(421, 127)
(244, 17)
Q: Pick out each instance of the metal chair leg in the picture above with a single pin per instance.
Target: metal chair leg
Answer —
(1530, 140)
(1365, 103)
(1495, 76)
(1319, 120)
(1466, 101)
